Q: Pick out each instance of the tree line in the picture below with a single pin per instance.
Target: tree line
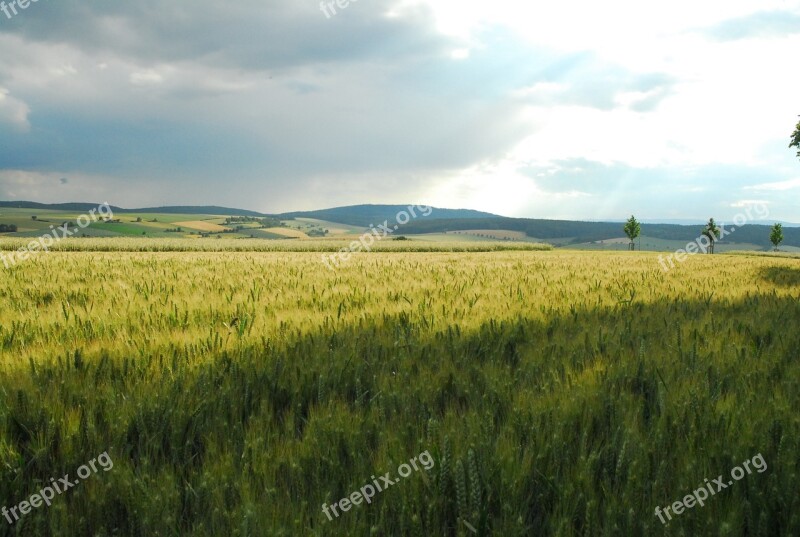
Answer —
(711, 231)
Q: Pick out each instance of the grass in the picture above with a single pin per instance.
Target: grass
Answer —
(559, 393)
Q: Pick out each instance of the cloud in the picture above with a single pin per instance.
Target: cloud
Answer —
(13, 111)
(119, 114)
(748, 203)
(250, 34)
(146, 78)
(764, 24)
(608, 191)
(517, 108)
(778, 186)
(50, 187)
(585, 80)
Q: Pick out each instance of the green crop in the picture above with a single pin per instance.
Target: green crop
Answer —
(559, 393)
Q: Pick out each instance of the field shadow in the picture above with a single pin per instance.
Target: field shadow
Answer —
(784, 276)
(561, 412)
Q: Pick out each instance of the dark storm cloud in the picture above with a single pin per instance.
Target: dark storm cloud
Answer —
(247, 34)
(274, 93)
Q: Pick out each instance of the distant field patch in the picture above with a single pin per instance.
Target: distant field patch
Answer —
(287, 232)
(494, 234)
(334, 228)
(619, 240)
(202, 225)
(259, 234)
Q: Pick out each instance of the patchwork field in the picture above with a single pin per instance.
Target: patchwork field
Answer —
(237, 392)
(202, 225)
(334, 228)
(494, 234)
(287, 232)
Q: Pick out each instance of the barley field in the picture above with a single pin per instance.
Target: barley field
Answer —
(559, 393)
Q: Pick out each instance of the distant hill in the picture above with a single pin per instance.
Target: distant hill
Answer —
(582, 232)
(561, 232)
(71, 207)
(201, 209)
(81, 207)
(364, 215)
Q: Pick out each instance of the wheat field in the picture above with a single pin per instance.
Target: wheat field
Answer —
(559, 393)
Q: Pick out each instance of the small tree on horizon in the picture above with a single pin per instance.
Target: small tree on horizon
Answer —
(776, 235)
(712, 232)
(632, 229)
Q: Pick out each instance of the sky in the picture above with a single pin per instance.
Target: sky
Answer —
(571, 109)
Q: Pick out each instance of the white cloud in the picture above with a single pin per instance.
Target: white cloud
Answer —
(702, 120)
(748, 203)
(147, 77)
(13, 111)
(779, 186)
(495, 187)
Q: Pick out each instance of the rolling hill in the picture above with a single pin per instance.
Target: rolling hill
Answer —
(364, 215)
(352, 220)
(83, 207)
